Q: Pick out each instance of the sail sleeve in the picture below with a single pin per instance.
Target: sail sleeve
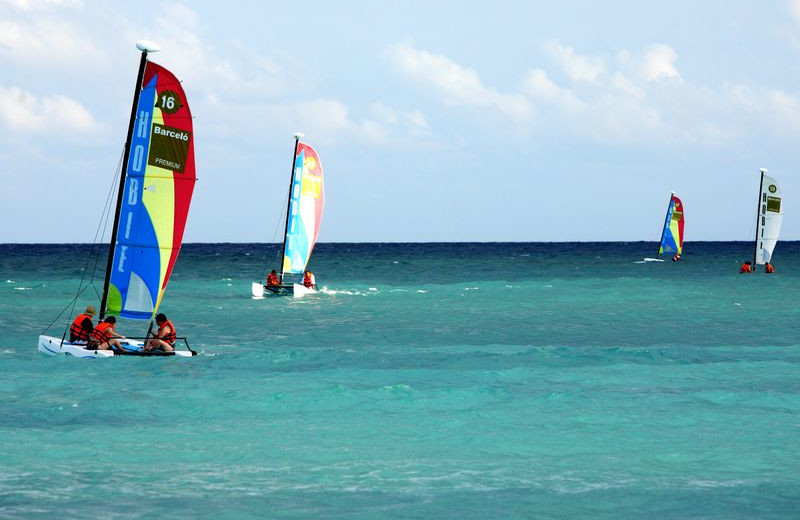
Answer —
(307, 199)
(158, 190)
(770, 217)
(672, 234)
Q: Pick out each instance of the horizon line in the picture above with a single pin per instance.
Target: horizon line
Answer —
(408, 242)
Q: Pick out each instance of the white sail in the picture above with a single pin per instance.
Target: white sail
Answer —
(770, 216)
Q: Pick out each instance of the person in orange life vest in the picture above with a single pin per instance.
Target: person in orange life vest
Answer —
(308, 279)
(768, 268)
(165, 337)
(272, 279)
(677, 258)
(82, 327)
(746, 267)
(104, 337)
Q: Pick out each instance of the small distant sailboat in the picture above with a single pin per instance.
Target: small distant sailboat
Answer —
(672, 233)
(768, 219)
(303, 218)
(156, 183)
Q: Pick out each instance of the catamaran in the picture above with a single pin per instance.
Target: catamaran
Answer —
(303, 216)
(672, 232)
(769, 217)
(156, 182)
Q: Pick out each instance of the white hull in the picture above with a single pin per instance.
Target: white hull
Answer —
(301, 290)
(257, 290)
(297, 290)
(53, 347)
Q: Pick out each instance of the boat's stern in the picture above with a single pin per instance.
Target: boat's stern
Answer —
(257, 290)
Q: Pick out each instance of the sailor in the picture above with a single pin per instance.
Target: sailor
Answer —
(272, 279)
(165, 337)
(746, 267)
(103, 337)
(308, 279)
(82, 327)
(676, 258)
(768, 268)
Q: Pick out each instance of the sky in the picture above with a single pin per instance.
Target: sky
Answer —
(434, 120)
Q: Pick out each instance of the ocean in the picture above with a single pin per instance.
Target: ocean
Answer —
(475, 380)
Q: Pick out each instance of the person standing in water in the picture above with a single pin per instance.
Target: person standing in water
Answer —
(746, 267)
(768, 268)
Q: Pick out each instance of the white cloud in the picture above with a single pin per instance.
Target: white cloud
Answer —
(457, 85)
(656, 63)
(406, 123)
(223, 72)
(22, 111)
(794, 8)
(775, 108)
(578, 67)
(44, 40)
(38, 5)
(539, 86)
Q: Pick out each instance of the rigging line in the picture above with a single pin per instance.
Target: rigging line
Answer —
(275, 233)
(81, 287)
(70, 304)
(106, 214)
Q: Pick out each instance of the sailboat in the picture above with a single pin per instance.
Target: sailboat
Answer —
(769, 218)
(156, 182)
(672, 232)
(306, 201)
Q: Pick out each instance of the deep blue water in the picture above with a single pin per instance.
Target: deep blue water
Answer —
(498, 380)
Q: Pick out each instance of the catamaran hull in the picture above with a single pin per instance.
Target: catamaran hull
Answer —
(54, 347)
(297, 290)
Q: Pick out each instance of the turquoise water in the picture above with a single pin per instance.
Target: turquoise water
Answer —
(427, 381)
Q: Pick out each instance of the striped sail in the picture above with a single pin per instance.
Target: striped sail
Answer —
(307, 199)
(770, 217)
(672, 235)
(158, 190)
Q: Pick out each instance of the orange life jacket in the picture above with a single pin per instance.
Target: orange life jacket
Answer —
(102, 332)
(171, 336)
(769, 269)
(744, 269)
(76, 330)
(307, 281)
(272, 280)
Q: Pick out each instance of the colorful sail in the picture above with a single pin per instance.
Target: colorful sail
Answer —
(770, 217)
(158, 190)
(672, 235)
(307, 199)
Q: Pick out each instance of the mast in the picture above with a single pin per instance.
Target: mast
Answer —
(297, 136)
(145, 47)
(666, 223)
(758, 218)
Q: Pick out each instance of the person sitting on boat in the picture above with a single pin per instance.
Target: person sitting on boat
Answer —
(272, 279)
(746, 267)
(309, 280)
(165, 337)
(677, 258)
(768, 268)
(104, 337)
(82, 327)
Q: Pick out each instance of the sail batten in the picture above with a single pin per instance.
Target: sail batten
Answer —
(672, 234)
(157, 193)
(306, 203)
